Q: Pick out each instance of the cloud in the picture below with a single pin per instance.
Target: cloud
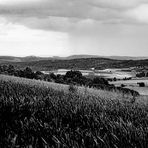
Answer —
(139, 13)
(66, 15)
(92, 26)
(117, 4)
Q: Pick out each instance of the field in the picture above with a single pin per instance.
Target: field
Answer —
(62, 87)
(106, 73)
(132, 84)
(40, 114)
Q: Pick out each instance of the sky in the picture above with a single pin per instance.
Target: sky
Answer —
(68, 27)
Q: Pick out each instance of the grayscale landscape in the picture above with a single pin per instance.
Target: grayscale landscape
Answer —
(73, 74)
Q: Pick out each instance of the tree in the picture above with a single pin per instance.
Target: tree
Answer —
(73, 74)
(4, 68)
(141, 84)
(74, 77)
(115, 79)
(38, 75)
(53, 76)
(11, 70)
(28, 73)
(59, 79)
(142, 74)
(100, 81)
(47, 77)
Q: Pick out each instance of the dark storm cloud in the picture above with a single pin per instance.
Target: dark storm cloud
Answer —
(64, 15)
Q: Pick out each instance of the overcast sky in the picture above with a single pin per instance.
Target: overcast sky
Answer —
(66, 27)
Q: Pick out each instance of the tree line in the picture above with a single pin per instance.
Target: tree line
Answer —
(142, 74)
(71, 77)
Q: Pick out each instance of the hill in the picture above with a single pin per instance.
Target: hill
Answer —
(85, 63)
(126, 58)
(40, 114)
(63, 87)
(108, 57)
(71, 62)
(5, 59)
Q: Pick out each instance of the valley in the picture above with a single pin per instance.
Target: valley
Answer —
(58, 102)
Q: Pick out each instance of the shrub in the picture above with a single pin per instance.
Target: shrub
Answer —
(100, 81)
(141, 84)
(122, 85)
(73, 74)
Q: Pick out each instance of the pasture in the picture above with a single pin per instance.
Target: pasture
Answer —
(106, 73)
(132, 84)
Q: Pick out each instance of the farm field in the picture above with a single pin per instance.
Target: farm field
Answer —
(41, 114)
(132, 84)
(107, 73)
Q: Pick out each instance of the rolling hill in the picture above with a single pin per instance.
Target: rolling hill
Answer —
(5, 59)
(87, 63)
(71, 62)
(41, 114)
(84, 64)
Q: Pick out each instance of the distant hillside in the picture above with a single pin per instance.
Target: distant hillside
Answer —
(97, 56)
(72, 62)
(81, 57)
(108, 57)
(7, 59)
(126, 58)
(87, 63)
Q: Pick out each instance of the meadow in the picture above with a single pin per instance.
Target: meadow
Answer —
(36, 114)
(106, 73)
(132, 84)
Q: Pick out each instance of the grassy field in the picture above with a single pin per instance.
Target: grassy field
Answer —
(132, 84)
(107, 73)
(64, 87)
(40, 114)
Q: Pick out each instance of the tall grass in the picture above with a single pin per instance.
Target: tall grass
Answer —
(63, 87)
(41, 116)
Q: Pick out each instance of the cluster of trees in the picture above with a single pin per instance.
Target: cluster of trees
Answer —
(7, 69)
(26, 73)
(142, 74)
(115, 79)
(71, 77)
(76, 77)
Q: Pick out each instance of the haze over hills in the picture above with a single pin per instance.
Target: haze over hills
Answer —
(77, 64)
(5, 59)
(108, 57)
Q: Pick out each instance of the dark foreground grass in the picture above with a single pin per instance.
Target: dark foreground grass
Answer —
(37, 117)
